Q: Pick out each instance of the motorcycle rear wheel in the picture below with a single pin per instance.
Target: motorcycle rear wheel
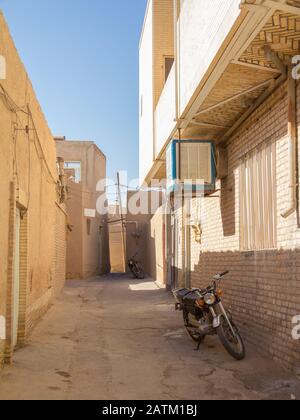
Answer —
(140, 271)
(194, 336)
(234, 345)
(137, 271)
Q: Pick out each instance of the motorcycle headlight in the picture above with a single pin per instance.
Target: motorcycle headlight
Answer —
(209, 299)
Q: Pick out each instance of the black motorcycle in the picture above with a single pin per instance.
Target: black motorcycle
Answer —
(204, 314)
(136, 268)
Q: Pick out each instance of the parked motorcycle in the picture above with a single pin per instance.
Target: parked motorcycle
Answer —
(204, 314)
(136, 268)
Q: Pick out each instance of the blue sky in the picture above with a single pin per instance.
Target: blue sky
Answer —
(82, 58)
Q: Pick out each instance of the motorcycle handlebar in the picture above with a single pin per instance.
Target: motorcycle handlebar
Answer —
(224, 274)
(221, 275)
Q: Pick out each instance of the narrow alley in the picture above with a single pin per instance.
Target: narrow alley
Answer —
(116, 338)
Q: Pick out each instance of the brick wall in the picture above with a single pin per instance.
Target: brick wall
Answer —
(54, 282)
(1, 354)
(31, 314)
(263, 289)
(156, 248)
(9, 280)
(28, 181)
(24, 253)
(36, 311)
(60, 250)
(163, 42)
(87, 245)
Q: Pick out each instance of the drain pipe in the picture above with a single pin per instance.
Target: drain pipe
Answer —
(176, 58)
(292, 148)
(185, 200)
(187, 238)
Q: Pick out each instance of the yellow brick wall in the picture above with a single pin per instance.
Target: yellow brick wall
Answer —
(60, 249)
(156, 251)
(87, 252)
(163, 42)
(24, 259)
(263, 288)
(28, 177)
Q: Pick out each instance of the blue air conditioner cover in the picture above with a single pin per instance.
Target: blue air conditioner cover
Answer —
(191, 163)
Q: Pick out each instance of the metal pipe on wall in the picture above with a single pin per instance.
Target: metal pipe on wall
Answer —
(292, 148)
(123, 230)
(170, 233)
(187, 246)
(176, 61)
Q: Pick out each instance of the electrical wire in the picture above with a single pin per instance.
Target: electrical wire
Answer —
(89, 192)
(11, 106)
(29, 167)
(15, 159)
(41, 149)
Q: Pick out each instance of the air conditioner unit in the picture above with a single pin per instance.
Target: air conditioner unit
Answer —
(192, 164)
(90, 213)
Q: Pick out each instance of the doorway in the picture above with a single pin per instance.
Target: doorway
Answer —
(117, 238)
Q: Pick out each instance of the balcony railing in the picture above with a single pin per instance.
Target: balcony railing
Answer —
(202, 27)
(165, 113)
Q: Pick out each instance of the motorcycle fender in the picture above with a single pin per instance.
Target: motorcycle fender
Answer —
(217, 321)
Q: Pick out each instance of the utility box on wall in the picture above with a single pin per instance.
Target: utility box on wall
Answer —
(193, 163)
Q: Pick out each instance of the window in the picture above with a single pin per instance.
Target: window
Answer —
(258, 200)
(169, 61)
(76, 167)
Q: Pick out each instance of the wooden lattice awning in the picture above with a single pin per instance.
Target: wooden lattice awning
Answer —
(249, 77)
(282, 34)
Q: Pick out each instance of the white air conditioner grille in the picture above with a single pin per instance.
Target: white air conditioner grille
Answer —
(196, 162)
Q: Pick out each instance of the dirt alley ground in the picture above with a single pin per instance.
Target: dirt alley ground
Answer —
(116, 338)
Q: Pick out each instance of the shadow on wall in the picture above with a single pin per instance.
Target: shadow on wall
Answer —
(157, 249)
(228, 205)
(148, 247)
(153, 271)
(263, 293)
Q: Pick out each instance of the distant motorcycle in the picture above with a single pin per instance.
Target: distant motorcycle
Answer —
(204, 314)
(136, 268)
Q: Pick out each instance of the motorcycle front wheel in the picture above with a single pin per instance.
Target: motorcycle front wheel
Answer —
(233, 343)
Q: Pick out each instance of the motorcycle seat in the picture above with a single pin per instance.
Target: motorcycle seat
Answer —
(181, 294)
(186, 296)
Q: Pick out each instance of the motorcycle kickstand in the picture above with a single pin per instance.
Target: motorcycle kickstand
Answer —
(199, 345)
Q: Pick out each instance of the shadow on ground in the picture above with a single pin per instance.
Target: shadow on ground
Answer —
(116, 338)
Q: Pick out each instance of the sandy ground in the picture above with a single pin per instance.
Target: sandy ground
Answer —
(115, 338)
